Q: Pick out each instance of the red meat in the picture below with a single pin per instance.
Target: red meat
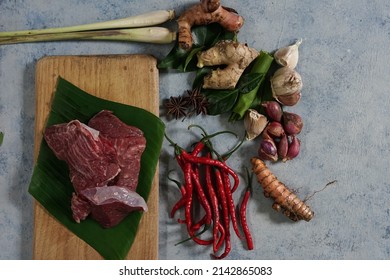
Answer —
(128, 142)
(104, 160)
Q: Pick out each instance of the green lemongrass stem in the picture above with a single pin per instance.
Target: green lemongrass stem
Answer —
(157, 35)
(261, 66)
(143, 20)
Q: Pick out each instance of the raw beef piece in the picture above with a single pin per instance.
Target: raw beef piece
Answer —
(129, 143)
(81, 208)
(108, 205)
(109, 124)
(104, 166)
(92, 161)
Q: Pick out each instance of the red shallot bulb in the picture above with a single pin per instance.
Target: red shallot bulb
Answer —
(292, 123)
(273, 110)
(268, 150)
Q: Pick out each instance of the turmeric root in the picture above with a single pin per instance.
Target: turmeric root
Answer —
(237, 56)
(203, 13)
(285, 200)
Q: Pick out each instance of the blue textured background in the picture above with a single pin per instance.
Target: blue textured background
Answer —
(344, 63)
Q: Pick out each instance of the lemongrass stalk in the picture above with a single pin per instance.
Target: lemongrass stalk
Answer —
(143, 20)
(154, 34)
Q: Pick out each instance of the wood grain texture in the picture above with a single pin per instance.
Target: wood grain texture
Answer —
(128, 79)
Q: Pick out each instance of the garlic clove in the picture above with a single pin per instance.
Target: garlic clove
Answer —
(292, 123)
(268, 150)
(273, 110)
(285, 81)
(288, 56)
(254, 123)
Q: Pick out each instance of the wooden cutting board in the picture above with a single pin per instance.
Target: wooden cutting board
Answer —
(128, 79)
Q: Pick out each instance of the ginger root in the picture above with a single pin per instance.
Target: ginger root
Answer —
(236, 56)
(203, 13)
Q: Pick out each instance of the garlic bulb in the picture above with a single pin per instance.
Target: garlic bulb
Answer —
(288, 56)
(286, 85)
(254, 123)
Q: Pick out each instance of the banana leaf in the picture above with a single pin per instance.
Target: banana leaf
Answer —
(50, 184)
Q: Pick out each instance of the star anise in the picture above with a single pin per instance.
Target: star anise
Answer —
(201, 106)
(177, 106)
(197, 101)
(193, 96)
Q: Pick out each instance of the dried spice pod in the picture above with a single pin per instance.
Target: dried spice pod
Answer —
(176, 106)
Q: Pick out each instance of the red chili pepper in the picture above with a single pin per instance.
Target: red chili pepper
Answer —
(199, 146)
(215, 197)
(201, 241)
(225, 211)
(203, 200)
(181, 203)
(189, 190)
(244, 223)
(194, 235)
(182, 200)
(230, 203)
(199, 224)
(219, 241)
(209, 161)
(228, 248)
(202, 196)
(217, 226)
(197, 240)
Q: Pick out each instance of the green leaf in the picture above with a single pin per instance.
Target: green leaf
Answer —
(260, 67)
(190, 61)
(200, 73)
(50, 184)
(1, 138)
(208, 35)
(204, 37)
(220, 101)
(175, 59)
(223, 101)
(248, 82)
(264, 94)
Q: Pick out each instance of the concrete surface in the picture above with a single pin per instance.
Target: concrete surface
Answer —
(344, 63)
